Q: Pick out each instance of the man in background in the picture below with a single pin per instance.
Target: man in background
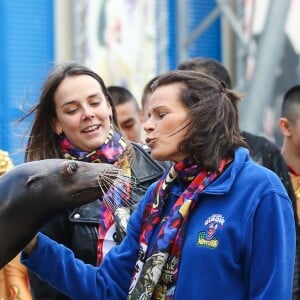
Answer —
(289, 125)
(128, 112)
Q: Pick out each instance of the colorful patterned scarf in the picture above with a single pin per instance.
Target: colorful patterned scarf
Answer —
(110, 152)
(157, 268)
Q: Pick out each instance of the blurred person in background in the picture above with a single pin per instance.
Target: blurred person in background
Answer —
(128, 112)
(14, 282)
(289, 124)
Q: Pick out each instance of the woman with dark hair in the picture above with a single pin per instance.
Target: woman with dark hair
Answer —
(215, 226)
(75, 118)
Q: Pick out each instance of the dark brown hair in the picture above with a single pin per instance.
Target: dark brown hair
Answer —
(147, 90)
(213, 128)
(209, 66)
(121, 95)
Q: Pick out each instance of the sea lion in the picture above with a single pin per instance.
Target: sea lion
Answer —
(33, 192)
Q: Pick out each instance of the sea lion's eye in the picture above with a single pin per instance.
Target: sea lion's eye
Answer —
(71, 168)
(31, 180)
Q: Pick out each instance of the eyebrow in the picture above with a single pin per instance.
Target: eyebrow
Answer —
(129, 120)
(73, 101)
(159, 107)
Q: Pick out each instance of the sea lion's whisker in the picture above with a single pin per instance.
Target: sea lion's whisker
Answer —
(117, 189)
(105, 189)
(116, 200)
(107, 201)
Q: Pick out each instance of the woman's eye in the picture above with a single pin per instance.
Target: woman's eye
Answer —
(96, 103)
(70, 112)
(161, 115)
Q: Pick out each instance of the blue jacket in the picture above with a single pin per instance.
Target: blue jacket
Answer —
(251, 254)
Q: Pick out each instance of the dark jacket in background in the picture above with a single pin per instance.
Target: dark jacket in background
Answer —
(267, 154)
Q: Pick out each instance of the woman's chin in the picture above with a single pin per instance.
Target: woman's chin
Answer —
(157, 155)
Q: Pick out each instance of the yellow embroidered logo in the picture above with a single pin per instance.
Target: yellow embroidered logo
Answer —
(202, 241)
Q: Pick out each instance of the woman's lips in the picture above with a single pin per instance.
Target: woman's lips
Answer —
(150, 141)
(91, 129)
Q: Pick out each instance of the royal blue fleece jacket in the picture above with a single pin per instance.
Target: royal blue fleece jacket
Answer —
(239, 244)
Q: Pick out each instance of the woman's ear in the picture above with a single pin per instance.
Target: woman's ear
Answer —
(110, 110)
(284, 126)
(110, 115)
(56, 127)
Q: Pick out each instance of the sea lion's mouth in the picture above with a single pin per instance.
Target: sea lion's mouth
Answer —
(88, 192)
(84, 196)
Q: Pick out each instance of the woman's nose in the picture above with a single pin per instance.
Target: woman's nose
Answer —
(88, 112)
(148, 125)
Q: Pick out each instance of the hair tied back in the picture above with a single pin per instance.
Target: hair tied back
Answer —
(223, 87)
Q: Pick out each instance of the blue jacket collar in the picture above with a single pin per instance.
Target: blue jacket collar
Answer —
(224, 183)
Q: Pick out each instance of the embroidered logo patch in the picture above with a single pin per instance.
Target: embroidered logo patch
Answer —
(207, 238)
